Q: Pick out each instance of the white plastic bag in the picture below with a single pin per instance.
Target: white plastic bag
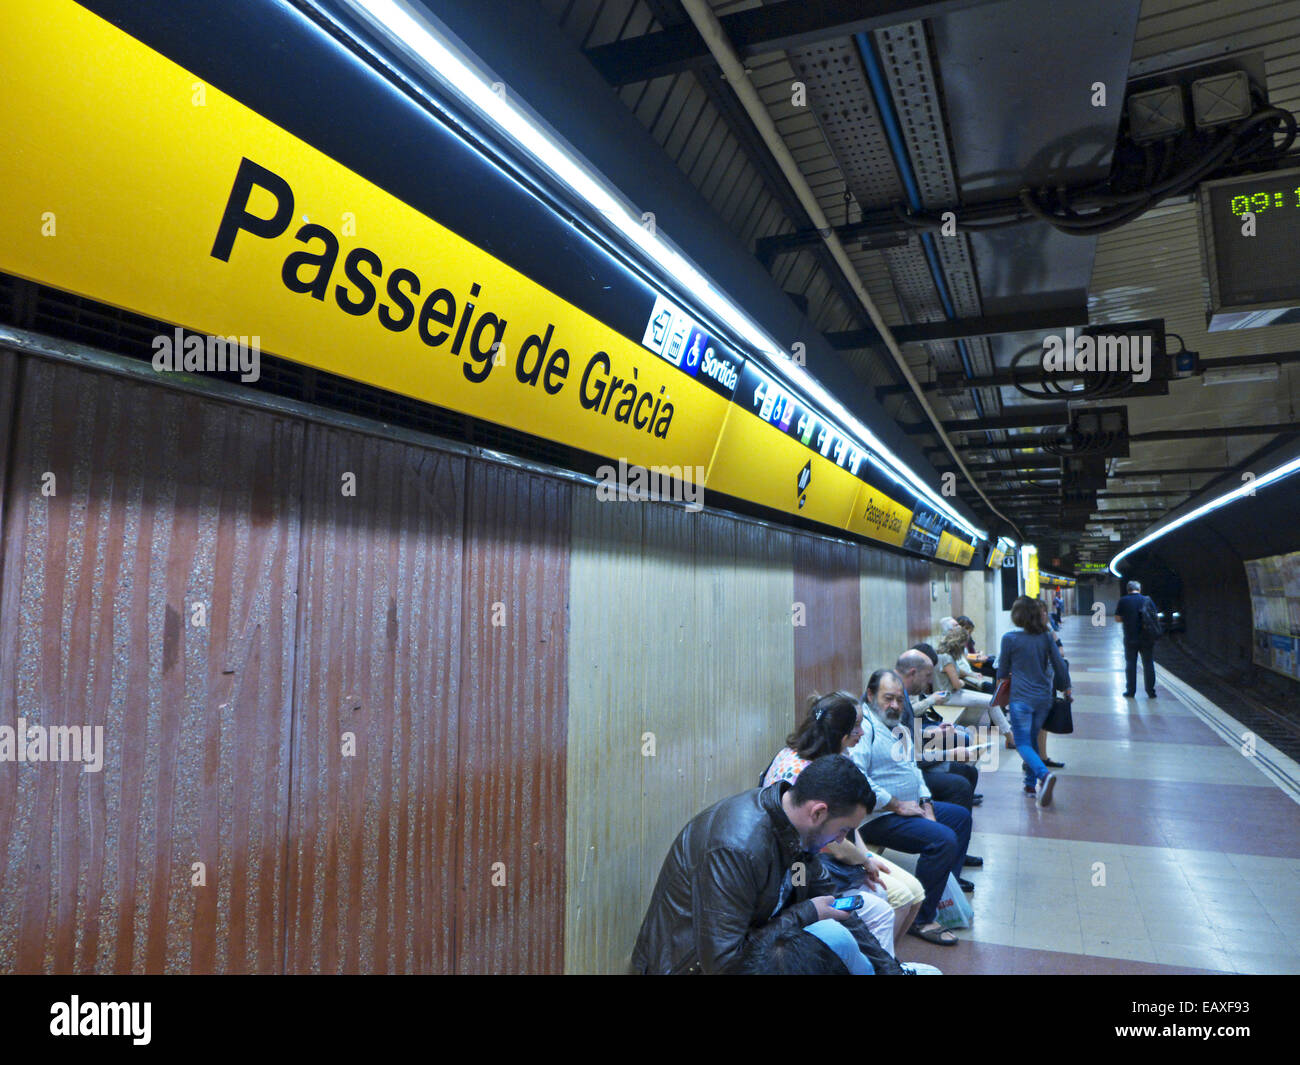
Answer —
(954, 911)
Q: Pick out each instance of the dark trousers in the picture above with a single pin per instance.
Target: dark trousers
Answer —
(1131, 652)
(941, 845)
(952, 782)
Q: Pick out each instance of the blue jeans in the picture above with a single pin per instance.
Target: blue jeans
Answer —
(941, 845)
(1026, 723)
(841, 941)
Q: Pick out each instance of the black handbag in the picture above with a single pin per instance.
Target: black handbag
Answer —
(1059, 719)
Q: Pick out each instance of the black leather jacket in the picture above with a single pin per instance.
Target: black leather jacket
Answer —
(719, 888)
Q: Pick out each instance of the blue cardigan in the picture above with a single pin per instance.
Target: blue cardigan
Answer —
(1026, 658)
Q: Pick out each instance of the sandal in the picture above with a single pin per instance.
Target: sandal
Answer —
(935, 935)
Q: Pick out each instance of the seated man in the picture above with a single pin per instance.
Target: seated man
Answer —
(905, 817)
(746, 869)
(950, 773)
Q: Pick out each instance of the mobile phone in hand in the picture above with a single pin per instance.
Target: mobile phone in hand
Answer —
(848, 902)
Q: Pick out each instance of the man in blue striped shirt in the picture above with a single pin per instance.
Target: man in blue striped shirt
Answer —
(905, 817)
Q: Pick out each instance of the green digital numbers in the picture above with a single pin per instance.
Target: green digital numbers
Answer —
(1260, 201)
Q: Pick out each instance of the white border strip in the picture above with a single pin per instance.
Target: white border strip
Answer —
(1278, 767)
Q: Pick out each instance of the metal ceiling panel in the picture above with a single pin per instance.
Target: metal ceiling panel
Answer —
(841, 99)
(1005, 69)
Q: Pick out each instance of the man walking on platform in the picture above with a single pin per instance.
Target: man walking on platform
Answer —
(1138, 638)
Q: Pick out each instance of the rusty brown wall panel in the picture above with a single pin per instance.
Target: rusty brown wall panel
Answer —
(8, 399)
(372, 836)
(828, 647)
(160, 501)
(513, 723)
(919, 624)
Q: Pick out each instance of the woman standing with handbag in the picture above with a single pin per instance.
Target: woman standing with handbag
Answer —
(947, 678)
(1030, 658)
(1042, 735)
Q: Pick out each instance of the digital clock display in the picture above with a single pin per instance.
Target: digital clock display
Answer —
(1261, 268)
(1255, 202)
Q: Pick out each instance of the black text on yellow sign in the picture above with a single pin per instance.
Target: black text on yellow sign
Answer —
(193, 209)
(477, 336)
(214, 218)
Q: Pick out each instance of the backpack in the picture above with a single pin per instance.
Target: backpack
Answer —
(1151, 626)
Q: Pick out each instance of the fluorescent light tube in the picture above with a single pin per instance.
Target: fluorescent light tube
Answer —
(413, 32)
(1275, 474)
(1228, 375)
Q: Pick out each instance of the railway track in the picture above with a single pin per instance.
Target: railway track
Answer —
(1271, 715)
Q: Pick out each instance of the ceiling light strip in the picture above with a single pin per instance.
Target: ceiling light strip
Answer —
(1277, 474)
(420, 37)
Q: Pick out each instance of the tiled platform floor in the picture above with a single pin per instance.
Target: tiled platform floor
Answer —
(1166, 849)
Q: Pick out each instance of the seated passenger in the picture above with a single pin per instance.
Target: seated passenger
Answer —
(905, 817)
(971, 677)
(926, 698)
(834, 726)
(984, 664)
(950, 774)
(746, 869)
(947, 678)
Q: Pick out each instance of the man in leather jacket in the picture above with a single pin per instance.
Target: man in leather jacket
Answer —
(746, 869)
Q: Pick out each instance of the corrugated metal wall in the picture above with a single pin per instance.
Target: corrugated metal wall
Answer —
(8, 396)
(513, 724)
(438, 715)
(883, 600)
(681, 688)
(828, 647)
(373, 833)
(919, 618)
(151, 593)
(430, 839)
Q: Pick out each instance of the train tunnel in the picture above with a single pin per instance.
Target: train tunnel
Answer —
(460, 460)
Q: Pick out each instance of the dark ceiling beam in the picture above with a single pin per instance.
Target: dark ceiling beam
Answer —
(1003, 378)
(960, 328)
(1037, 440)
(879, 228)
(1020, 418)
(1231, 430)
(759, 31)
(1119, 475)
(1149, 493)
(1262, 359)
(1027, 464)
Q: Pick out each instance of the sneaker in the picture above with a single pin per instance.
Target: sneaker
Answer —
(1151, 695)
(1130, 695)
(917, 968)
(1030, 789)
(1044, 797)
